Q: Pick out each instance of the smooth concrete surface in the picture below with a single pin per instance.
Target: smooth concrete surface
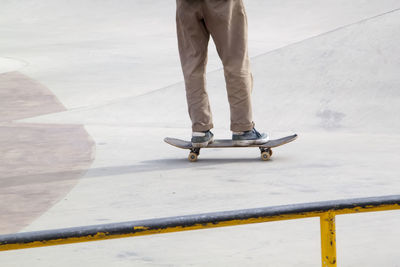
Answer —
(325, 70)
(9, 64)
(22, 97)
(40, 163)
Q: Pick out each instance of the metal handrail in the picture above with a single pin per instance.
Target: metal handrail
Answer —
(326, 210)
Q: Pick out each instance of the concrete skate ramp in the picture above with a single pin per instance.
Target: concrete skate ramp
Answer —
(39, 163)
(346, 80)
(327, 70)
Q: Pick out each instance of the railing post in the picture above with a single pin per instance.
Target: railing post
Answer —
(328, 239)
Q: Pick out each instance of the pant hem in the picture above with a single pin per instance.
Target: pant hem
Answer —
(242, 127)
(202, 128)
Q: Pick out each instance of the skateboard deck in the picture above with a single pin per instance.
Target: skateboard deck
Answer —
(265, 148)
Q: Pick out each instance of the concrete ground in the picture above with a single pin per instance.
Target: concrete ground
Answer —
(89, 89)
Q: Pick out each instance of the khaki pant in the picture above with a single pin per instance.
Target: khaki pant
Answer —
(226, 22)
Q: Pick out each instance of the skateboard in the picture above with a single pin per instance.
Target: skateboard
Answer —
(265, 148)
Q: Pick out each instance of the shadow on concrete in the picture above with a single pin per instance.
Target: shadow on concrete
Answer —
(144, 166)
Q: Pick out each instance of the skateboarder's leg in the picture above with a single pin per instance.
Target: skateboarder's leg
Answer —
(227, 23)
(193, 37)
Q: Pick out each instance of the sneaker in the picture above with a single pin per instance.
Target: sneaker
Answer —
(202, 139)
(252, 137)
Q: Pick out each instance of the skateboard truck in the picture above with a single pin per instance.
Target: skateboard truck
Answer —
(266, 153)
(194, 153)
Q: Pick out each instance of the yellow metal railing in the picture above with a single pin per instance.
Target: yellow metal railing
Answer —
(328, 239)
(326, 210)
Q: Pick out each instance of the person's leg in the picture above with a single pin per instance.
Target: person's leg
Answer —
(193, 38)
(227, 22)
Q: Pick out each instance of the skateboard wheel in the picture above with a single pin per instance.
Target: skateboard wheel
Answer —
(192, 157)
(270, 152)
(266, 155)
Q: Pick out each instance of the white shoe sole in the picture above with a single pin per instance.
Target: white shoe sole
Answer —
(250, 142)
(204, 144)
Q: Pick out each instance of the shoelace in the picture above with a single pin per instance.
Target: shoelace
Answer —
(256, 132)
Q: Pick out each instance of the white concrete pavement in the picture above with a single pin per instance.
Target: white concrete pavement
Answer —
(326, 70)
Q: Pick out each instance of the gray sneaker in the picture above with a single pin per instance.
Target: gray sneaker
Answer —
(202, 139)
(252, 137)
